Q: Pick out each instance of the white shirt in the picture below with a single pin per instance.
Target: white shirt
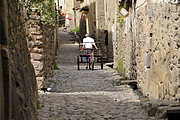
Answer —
(88, 42)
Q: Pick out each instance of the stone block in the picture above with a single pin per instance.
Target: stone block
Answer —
(31, 29)
(167, 97)
(32, 16)
(175, 17)
(39, 43)
(148, 59)
(175, 28)
(38, 65)
(173, 88)
(152, 111)
(40, 74)
(36, 56)
(35, 50)
(153, 90)
(40, 50)
(39, 37)
(161, 90)
(174, 8)
(156, 56)
(178, 95)
(40, 82)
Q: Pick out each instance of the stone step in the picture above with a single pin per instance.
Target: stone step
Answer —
(173, 113)
(174, 110)
(108, 64)
(128, 81)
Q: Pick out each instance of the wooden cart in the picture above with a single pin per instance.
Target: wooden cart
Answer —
(94, 56)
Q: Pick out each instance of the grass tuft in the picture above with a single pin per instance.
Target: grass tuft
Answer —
(118, 81)
(39, 105)
(56, 66)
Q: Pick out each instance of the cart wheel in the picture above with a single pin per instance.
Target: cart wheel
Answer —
(78, 62)
(101, 62)
(92, 65)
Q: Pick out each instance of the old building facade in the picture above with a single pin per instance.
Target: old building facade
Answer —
(70, 10)
(97, 16)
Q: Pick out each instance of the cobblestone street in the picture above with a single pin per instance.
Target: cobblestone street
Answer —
(90, 60)
(86, 94)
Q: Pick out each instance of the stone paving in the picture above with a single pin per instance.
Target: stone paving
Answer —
(87, 94)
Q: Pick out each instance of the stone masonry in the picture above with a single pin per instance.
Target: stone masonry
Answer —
(148, 48)
(124, 44)
(157, 50)
(19, 88)
(41, 46)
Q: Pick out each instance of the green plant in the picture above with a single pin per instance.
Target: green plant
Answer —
(77, 29)
(39, 105)
(50, 81)
(55, 66)
(122, 6)
(48, 12)
(118, 81)
(120, 67)
(46, 8)
(121, 21)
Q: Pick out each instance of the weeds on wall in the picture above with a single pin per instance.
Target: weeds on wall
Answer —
(121, 18)
(46, 9)
(121, 7)
(121, 21)
(120, 67)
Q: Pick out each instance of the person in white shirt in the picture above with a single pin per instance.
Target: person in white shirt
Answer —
(88, 42)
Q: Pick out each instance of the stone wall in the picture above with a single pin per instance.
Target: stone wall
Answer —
(77, 14)
(110, 8)
(91, 19)
(124, 44)
(106, 20)
(157, 51)
(3, 73)
(41, 46)
(100, 21)
(18, 77)
(146, 48)
(69, 4)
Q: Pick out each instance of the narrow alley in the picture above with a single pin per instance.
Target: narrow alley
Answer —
(86, 94)
(136, 75)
